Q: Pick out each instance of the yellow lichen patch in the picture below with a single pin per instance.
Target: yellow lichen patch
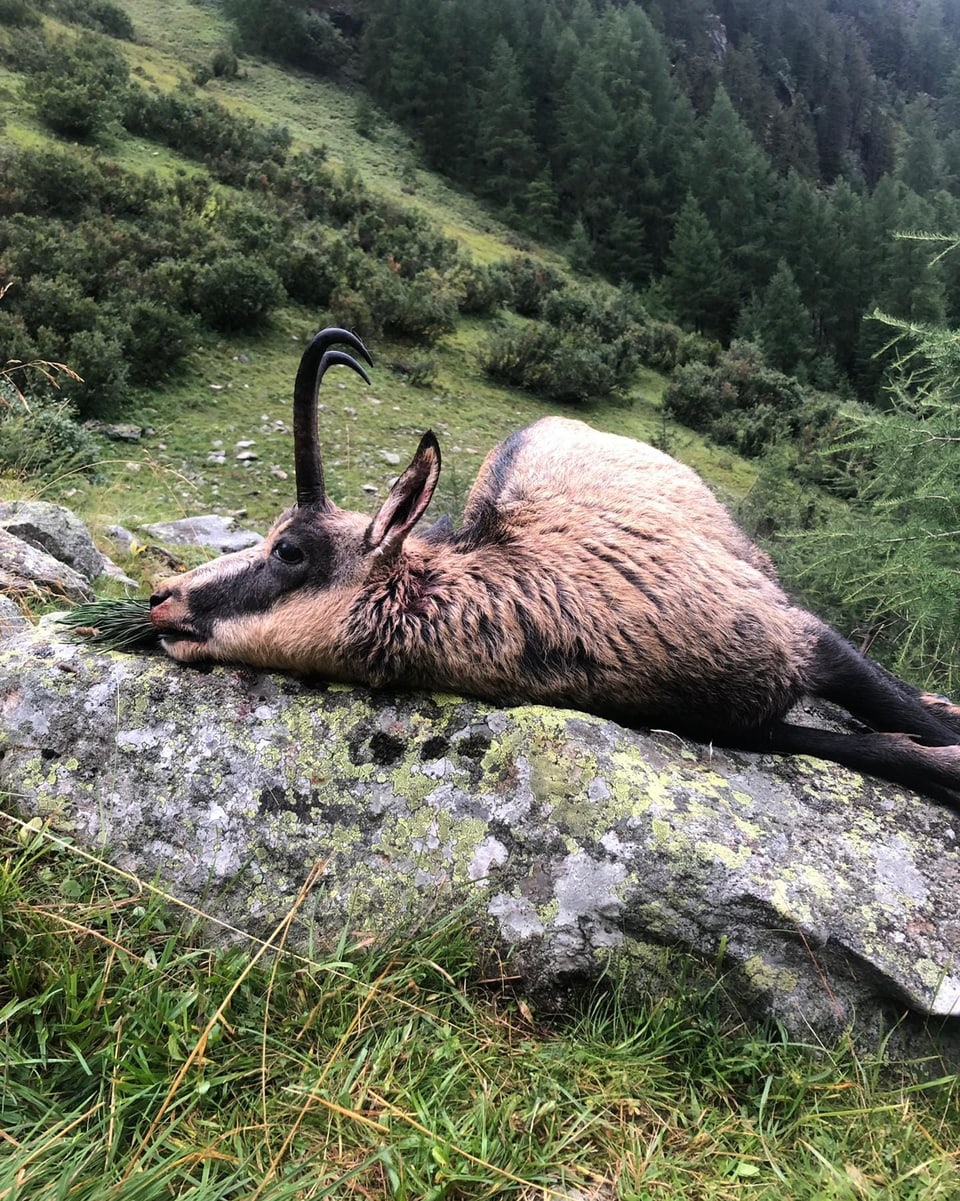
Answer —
(766, 977)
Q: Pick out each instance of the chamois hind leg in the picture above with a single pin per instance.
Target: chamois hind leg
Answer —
(839, 673)
(940, 706)
(932, 770)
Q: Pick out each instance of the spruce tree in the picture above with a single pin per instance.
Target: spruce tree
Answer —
(506, 150)
(586, 125)
(735, 186)
(696, 280)
(784, 324)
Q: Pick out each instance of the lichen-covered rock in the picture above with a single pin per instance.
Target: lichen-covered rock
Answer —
(26, 571)
(57, 531)
(831, 898)
(13, 620)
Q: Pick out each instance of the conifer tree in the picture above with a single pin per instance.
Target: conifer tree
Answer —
(784, 324)
(896, 557)
(734, 184)
(921, 167)
(586, 125)
(696, 279)
(505, 144)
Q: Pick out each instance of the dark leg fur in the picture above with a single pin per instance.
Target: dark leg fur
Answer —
(918, 738)
(840, 674)
(933, 770)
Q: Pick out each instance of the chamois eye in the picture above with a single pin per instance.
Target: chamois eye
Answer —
(287, 552)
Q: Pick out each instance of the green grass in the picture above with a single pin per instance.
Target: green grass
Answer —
(140, 1063)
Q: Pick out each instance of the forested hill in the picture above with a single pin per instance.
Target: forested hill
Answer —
(176, 211)
(713, 148)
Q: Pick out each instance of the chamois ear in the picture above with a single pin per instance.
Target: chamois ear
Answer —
(407, 500)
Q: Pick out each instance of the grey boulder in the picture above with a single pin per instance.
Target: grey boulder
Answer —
(217, 533)
(577, 846)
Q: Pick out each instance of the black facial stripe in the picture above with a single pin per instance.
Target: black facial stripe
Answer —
(263, 582)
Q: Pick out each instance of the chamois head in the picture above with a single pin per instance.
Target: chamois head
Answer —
(279, 603)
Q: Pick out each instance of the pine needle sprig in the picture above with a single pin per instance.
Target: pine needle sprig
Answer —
(114, 625)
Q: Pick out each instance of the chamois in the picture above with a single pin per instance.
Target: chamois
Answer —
(589, 571)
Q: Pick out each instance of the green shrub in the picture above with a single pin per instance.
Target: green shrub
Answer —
(15, 341)
(530, 283)
(235, 292)
(45, 440)
(481, 288)
(19, 14)
(288, 30)
(202, 129)
(559, 365)
(100, 15)
(602, 312)
(97, 356)
(422, 309)
(80, 90)
(665, 346)
(224, 63)
(57, 302)
(740, 402)
(153, 337)
(312, 271)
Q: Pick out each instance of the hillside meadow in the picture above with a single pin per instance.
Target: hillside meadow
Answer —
(142, 1064)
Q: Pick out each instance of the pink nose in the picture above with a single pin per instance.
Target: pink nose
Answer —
(158, 604)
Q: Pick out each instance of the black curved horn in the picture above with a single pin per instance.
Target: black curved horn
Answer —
(306, 445)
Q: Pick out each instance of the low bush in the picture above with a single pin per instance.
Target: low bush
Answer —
(99, 15)
(530, 282)
(80, 89)
(481, 288)
(741, 402)
(235, 292)
(44, 439)
(559, 365)
(19, 14)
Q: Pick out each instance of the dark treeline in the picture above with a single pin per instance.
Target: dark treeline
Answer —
(743, 163)
(743, 156)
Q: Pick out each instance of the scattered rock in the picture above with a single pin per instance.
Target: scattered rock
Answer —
(56, 530)
(28, 572)
(390, 457)
(125, 542)
(211, 530)
(117, 431)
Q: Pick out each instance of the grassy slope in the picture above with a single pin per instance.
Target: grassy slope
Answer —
(238, 388)
(391, 1079)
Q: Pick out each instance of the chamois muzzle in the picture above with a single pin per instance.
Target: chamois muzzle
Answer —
(316, 359)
